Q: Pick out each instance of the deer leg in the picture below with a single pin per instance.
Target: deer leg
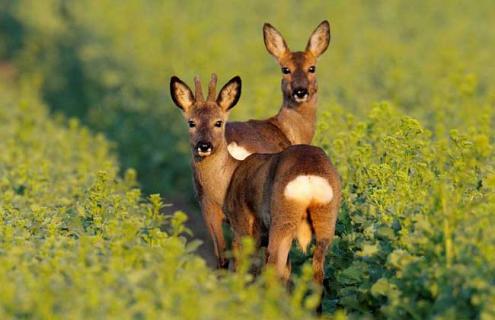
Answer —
(213, 216)
(279, 245)
(319, 260)
(323, 220)
(243, 226)
(219, 242)
(260, 251)
(284, 221)
(236, 244)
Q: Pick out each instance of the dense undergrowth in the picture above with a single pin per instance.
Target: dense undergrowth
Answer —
(78, 241)
(415, 232)
(415, 237)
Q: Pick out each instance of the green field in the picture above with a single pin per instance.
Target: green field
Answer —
(88, 132)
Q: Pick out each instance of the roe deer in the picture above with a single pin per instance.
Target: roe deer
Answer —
(295, 122)
(284, 196)
(212, 165)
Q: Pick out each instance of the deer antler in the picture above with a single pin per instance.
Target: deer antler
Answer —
(198, 91)
(212, 87)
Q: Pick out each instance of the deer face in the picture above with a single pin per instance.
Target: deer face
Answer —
(205, 118)
(298, 68)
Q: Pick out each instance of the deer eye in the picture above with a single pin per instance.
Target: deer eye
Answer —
(191, 124)
(218, 124)
(285, 70)
(312, 69)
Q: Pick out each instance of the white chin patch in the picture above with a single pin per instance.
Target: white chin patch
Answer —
(307, 189)
(299, 100)
(204, 153)
(237, 151)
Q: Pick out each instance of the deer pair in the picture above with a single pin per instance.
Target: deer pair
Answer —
(261, 175)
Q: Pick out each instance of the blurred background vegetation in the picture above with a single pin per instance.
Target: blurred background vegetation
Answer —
(415, 237)
(109, 62)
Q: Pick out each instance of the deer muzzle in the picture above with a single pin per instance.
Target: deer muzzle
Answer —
(203, 148)
(300, 94)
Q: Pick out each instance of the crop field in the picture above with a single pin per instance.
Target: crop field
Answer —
(89, 137)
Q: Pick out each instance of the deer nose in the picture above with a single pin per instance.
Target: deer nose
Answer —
(204, 146)
(300, 92)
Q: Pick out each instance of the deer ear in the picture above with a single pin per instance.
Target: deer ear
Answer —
(230, 94)
(181, 94)
(274, 42)
(319, 40)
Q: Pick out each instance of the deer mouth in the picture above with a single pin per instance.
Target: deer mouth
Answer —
(300, 94)
(203, 149)
(204, 152)
(300, 99)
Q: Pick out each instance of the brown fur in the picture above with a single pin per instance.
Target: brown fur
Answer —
(211, 173)
(251, 192)
(256, 193)
(295, 122)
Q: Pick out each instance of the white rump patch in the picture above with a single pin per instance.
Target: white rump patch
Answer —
(308, 189)
(237, 151)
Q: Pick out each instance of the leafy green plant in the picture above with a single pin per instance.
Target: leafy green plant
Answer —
(412, 235)
(415, 235)
(78, 241)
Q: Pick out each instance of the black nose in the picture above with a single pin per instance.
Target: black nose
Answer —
(204, 146)
(300, 92)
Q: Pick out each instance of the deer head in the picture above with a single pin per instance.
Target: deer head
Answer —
(205, 117)
(299, 67)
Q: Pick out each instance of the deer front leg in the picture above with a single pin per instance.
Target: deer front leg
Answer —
(213, 216)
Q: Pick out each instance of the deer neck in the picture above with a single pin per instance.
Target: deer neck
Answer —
(213, 174)
(298, 122)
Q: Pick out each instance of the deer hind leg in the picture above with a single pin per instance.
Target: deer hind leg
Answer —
(285, 218)
(243, 225)
(324, 228)
(278, 249)
(323, 219)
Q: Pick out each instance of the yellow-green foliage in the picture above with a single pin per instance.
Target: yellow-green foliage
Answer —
(77, 241)
(109, 62)
(416, 233)
(415, 236)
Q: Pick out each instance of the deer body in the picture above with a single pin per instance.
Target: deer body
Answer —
(288, 127)
(284, 196)
(296, 120)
